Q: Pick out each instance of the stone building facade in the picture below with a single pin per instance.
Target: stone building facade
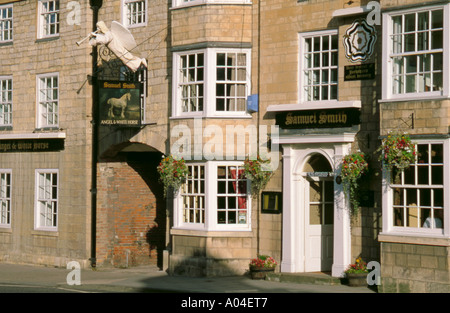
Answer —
(330, 78)
(45, 132)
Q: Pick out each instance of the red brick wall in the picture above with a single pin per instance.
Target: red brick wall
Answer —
(130, 212)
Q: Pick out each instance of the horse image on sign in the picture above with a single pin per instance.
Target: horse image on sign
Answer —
(120, 103)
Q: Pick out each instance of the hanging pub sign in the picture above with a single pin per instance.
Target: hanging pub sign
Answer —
(327, 118)
(32, 145)
(120, 103)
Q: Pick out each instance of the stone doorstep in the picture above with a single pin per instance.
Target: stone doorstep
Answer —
(317, 278)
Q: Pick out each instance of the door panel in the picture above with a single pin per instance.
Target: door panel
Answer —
(319, 200)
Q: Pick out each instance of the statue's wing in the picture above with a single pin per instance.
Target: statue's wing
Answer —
(122, 34)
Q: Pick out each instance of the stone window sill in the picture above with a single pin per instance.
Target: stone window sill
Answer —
(428, 240)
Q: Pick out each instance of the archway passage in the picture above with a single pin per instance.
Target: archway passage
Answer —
(319, 214)
(131, 208)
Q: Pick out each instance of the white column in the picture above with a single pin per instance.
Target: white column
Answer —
(288, 246)
(342, 230)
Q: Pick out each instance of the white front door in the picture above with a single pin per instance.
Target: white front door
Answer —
(319, 211)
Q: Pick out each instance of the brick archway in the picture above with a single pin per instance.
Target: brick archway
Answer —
(131, 208)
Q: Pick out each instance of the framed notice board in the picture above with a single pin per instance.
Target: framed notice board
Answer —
(271, 202)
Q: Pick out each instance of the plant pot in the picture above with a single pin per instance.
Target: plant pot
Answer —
(357, 279)
(260, 272)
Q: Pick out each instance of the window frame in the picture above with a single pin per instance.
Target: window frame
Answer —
(387, 56)
(2, 199)
(389, 226)
(302, 83)
(39, 110)
(42, 24)
(185, 193)
(6, 20)
(209, 83)
(37, 209)
(179, 84)
(125, 11)
(6, 103)
(211, 209)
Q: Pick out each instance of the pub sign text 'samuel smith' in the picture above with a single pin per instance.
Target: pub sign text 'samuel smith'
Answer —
(319, 118)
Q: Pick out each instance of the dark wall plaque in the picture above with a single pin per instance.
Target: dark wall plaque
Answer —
(31, 145)
(363, 71)
(331, 118)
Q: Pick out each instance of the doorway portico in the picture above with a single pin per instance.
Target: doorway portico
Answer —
(316, 222)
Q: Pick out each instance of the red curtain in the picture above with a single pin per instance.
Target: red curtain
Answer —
(241, 185)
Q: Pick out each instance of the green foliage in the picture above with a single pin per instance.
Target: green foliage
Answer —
(263, 261)
(397, 152)
(358, 267)
(353, 167)
(258, 172)
(173, 173)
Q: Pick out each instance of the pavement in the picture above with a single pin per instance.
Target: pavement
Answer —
(148, 279)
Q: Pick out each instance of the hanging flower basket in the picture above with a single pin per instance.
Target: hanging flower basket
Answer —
(258, 172)
(353, 167)
(398, 152)
(173, 173)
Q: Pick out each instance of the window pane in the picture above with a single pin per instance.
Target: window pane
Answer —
(411, 197)
(438, 197)
(329, 213)
(315, 214)
(410, 22)
(308, 44)
(425, 197)
(398, 196)
(412, 216)
(437, 175)
(398, 217)
(410, 176)
(410, 83)
(423, 175)
(423, 21)
(437, 39)
(437, 19)
(437, 81)
(422, 154)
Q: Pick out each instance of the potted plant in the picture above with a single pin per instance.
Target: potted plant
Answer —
(354, 165)
(357, 273)
(397, 153)
(262, 265)
(258, 172)
(173, 173)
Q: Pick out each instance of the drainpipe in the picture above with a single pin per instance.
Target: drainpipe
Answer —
(95, 7)
(258, 248)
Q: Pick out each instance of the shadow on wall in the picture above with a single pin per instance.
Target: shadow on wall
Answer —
(199, 264)
(132, 214)
(145, 165)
